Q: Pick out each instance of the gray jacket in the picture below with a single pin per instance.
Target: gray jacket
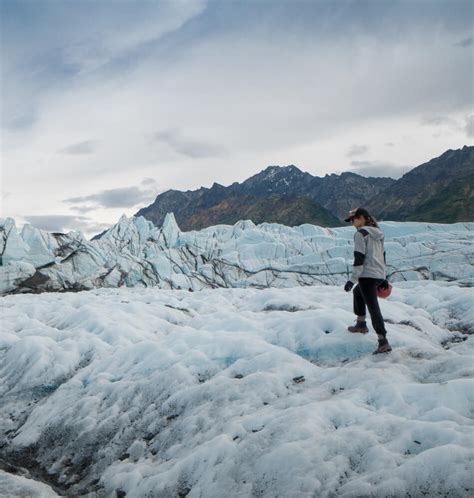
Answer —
(369, 254)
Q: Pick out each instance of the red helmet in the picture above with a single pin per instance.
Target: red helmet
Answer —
(383, 293)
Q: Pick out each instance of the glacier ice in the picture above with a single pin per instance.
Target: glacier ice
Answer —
(135, 253)
(155, 392)
(251, 386)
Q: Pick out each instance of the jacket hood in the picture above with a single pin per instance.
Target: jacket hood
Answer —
(375, 232)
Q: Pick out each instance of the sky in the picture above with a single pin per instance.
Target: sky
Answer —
(106, 103)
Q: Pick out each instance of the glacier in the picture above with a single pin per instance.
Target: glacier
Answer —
(251, 386)
(244, 392)
(135, 253)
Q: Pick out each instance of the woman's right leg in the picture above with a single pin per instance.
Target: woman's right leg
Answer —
(368, 289)
(359, 310)
(359, 303)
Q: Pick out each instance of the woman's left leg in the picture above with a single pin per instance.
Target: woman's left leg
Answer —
(368, 288)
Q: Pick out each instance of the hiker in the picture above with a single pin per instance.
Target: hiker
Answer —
(368, 272)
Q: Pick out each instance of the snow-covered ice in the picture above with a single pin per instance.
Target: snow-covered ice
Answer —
(239, 392)
(12, 485)
(135, 253)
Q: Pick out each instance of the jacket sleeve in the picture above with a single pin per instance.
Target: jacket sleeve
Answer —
(359, 256)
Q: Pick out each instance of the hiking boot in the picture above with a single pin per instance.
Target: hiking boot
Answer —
(359, 327)
(384, 347)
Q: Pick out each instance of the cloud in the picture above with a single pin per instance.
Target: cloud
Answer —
(64, 223)
(469, 126)
(229, 88)
(357, 150)
(23, 117)
(80, 148)
(454, 125)
(149, 181)
(123, 197)
(83, 209)
(445, 125)
(191, 148)
(438, 120)
(89, 40)
(379, 169)
(112, 38)
(466, 42)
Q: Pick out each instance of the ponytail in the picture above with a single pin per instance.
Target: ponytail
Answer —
(370, 221)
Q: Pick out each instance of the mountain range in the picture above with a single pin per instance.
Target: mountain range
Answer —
(440, 190)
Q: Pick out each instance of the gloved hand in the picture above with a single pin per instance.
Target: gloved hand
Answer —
(384, 284)
(348, 286)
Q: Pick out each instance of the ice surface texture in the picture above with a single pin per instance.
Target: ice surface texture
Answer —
(135, 253)
(239, 392)
(18, 486)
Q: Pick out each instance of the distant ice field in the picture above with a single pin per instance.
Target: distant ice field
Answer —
(135, 253)
(238, 393)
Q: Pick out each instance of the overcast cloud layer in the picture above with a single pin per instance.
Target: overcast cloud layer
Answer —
(189, 92)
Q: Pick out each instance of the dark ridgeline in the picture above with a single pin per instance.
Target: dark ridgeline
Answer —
(277, 194)
(440, 190)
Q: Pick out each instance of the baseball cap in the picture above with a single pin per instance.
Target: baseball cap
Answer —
(357, 212)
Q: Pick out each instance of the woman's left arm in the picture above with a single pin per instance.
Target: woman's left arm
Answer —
(360, 247)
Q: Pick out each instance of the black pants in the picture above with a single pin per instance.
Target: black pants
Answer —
(365, 294)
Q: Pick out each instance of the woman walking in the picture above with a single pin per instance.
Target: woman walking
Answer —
(368, 271)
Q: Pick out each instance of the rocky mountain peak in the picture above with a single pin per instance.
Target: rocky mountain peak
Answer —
(288, 188)
(440, 190)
